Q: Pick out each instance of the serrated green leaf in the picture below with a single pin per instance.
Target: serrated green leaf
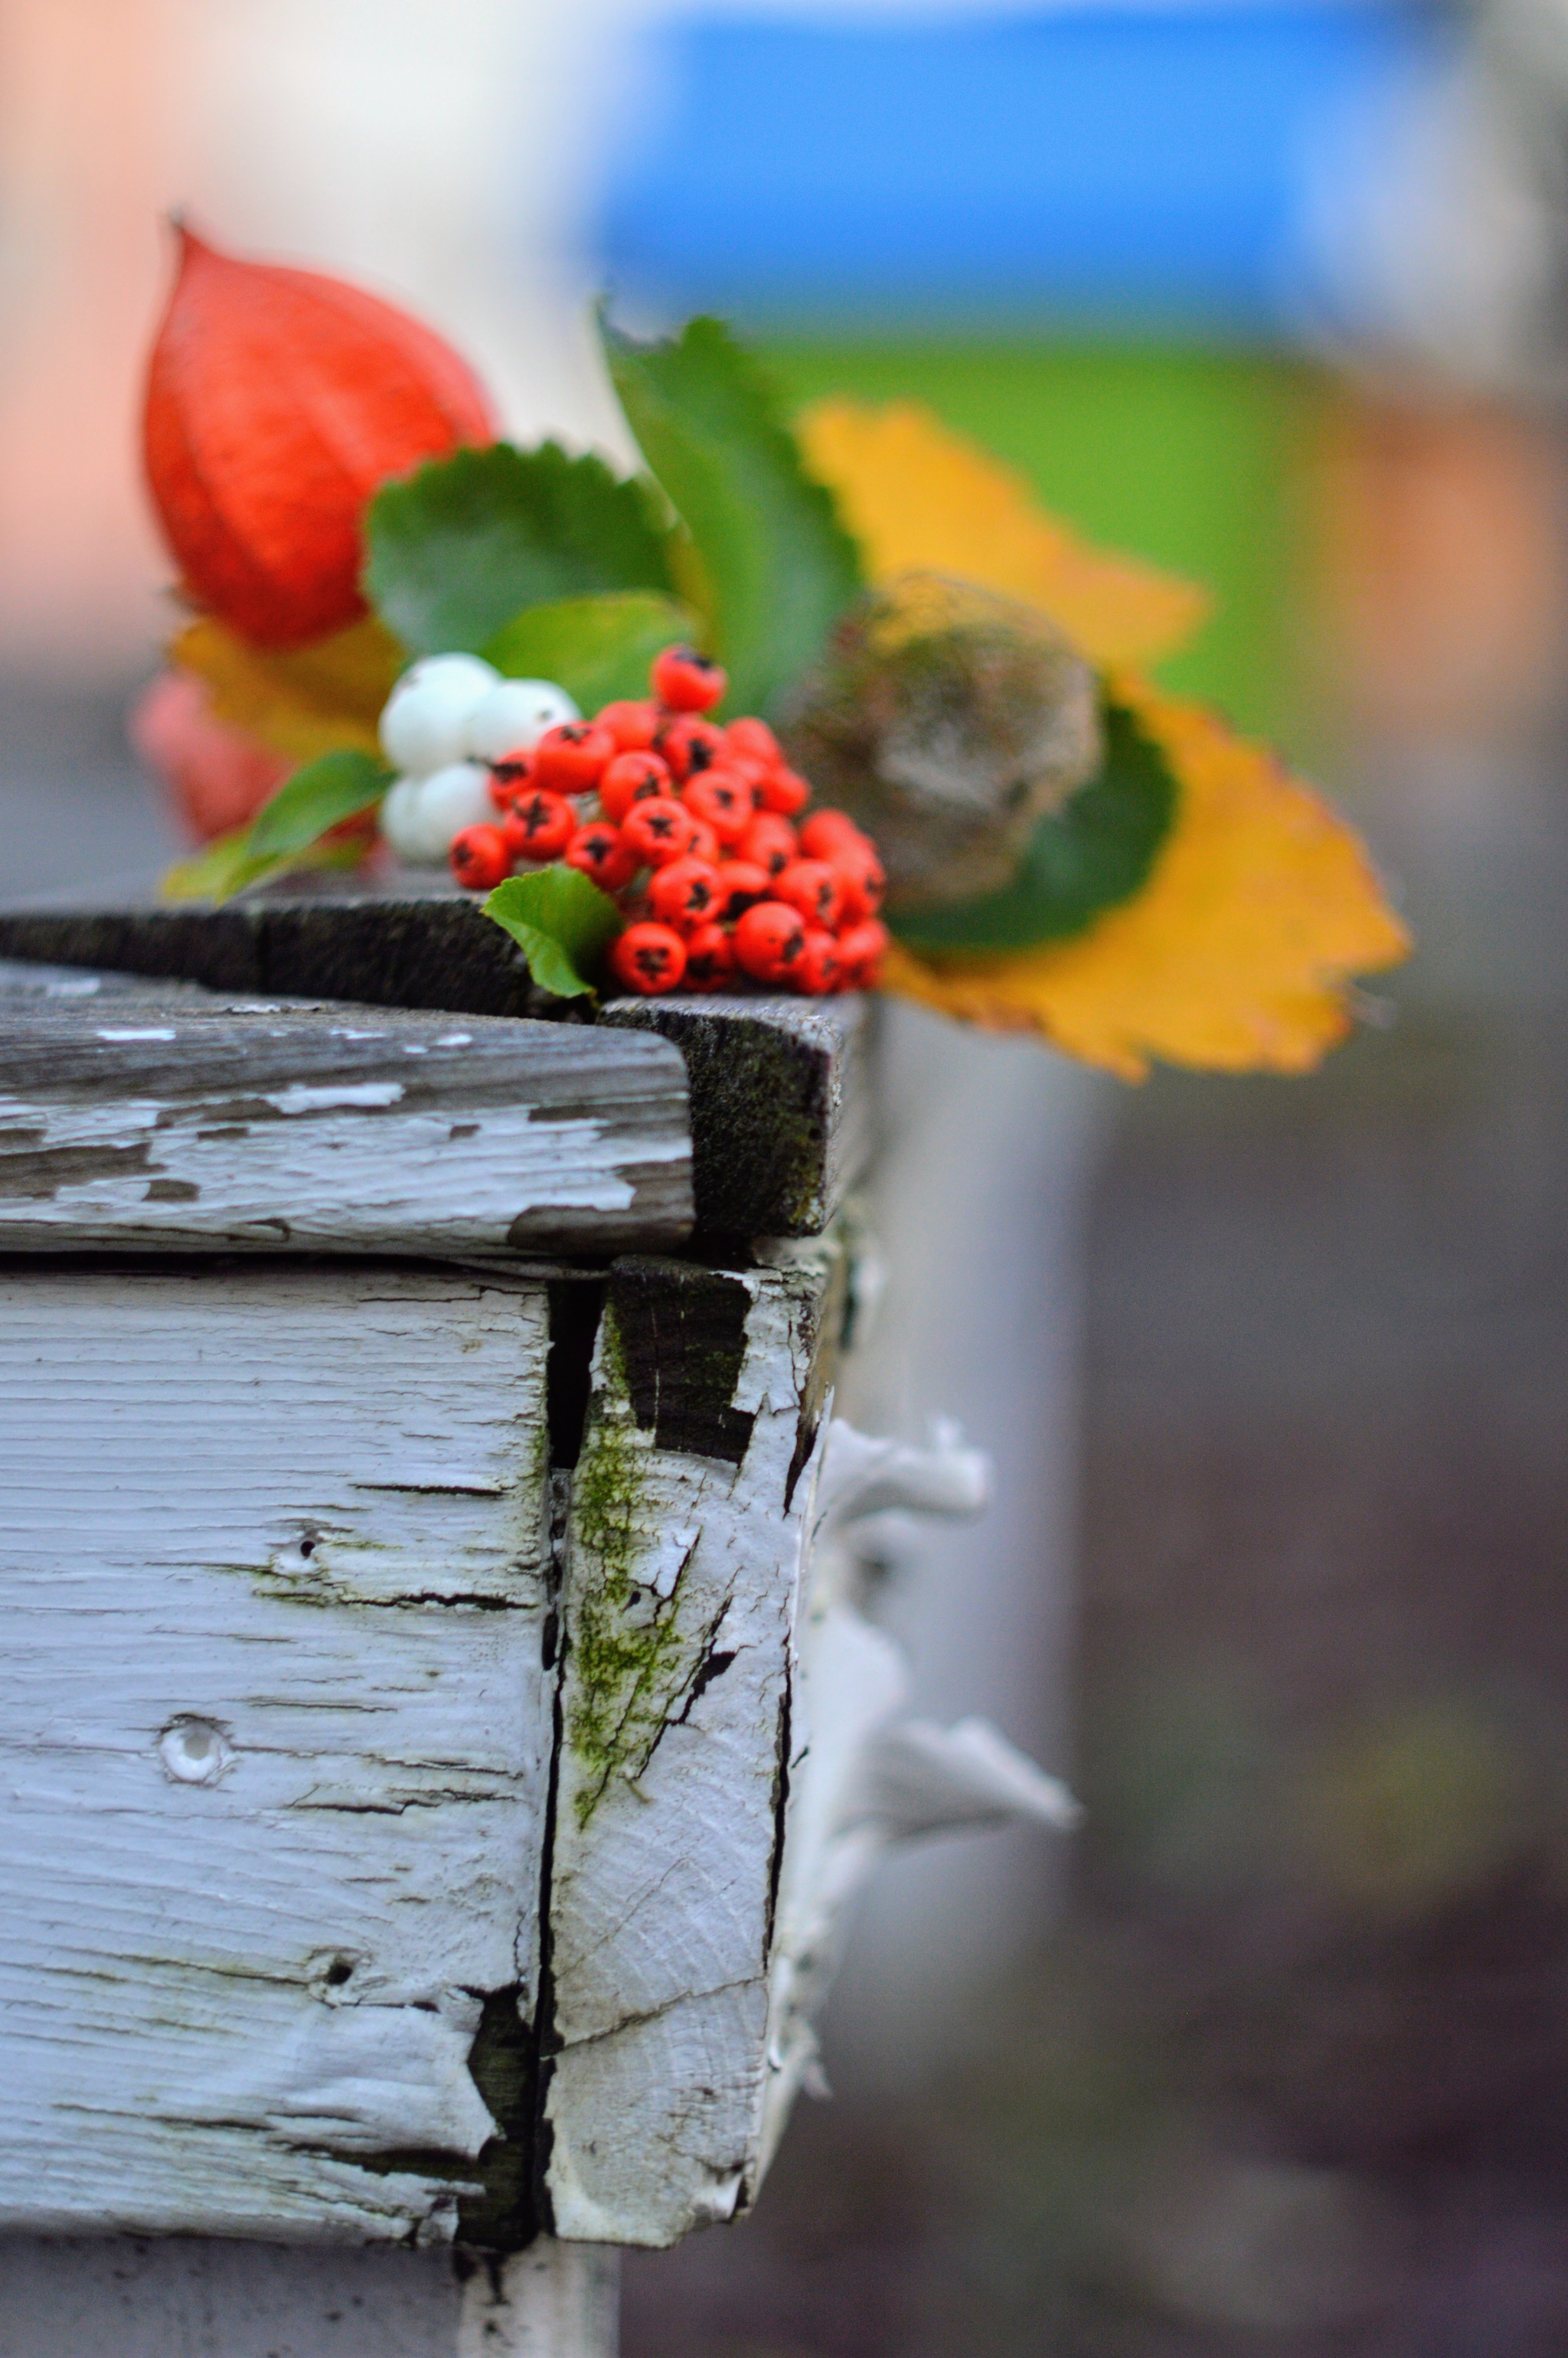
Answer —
(775, 564)
(1095, 852)
(461, 546)
(597, 649)
(562, 923)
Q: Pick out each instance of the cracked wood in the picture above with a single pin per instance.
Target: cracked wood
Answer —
(780, 1102)
(276, 1736)
(125, 1122)
(680, 1592)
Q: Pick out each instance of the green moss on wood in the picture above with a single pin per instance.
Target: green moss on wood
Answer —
(631, 1659)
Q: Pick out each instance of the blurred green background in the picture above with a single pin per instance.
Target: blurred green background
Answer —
(1195, 459)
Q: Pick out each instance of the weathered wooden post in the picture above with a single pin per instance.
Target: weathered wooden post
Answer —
(440, 1731)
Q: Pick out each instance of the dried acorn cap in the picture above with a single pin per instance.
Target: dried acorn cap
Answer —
(947, 720)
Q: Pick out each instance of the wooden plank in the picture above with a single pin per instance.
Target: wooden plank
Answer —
(192, 2296)
(780, 1104)
(680, 1591)
(195, 1124)
(275, 1734)
(778, 1095)
(219, 947)
(415, 944)
(26, 979)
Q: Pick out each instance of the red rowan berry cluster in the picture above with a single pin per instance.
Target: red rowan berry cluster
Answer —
(692, 827)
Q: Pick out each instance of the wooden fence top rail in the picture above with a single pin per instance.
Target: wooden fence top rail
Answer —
(165, 1116)
(779, 1112)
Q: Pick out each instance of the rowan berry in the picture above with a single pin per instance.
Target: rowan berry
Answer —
(570, 759)
(509, 776)
(598, 851)
(825, 832)
(481, 858)
(751, 776)
(863, 879)
(648, 958)
(860, 952)
(659, 830)
(633, 778)
(818, 969)
(709, 960)
(689, 744)
(721, 802)
(538, 825)
(769, 941)
(813, 888)
(686, 681)
(753, 741)
(632, 724)
(685, 894)
(770, 842)
(740, 884)
(786, 792)
(705, 844)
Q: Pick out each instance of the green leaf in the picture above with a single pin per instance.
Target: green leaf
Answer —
(597, 649)
(562, 923)
(776, 565)
(1095, 852)
(219, 869)
(323, 794)
(287, 831)
(460, 547)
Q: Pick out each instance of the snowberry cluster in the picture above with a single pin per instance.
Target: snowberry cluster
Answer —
(446, 720)
(691, 826)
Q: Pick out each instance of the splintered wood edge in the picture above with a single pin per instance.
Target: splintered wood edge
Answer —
(680, 1591)
(168, 1117)
(779, 1102)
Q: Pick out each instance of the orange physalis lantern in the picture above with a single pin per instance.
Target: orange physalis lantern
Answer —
(277, 402)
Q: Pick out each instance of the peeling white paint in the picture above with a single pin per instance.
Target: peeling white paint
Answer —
(301, 1099)
(332, 1175)
(302, 1132)
(660, 1900)
(276, 1736)
(223, 1991)
(366, 2079)
(861, 1777)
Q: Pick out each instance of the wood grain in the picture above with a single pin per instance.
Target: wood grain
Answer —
(124, 1120)
(779, 1098)
(680, 1592)
(275, 1733)
(781, 1104)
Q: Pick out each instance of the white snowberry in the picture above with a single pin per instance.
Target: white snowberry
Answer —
(515, 715)
(400, 820)
(422, 722)
(455, 797)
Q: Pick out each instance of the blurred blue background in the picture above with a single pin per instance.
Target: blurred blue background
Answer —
(1127, 171)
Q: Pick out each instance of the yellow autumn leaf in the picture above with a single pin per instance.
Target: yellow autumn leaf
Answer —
(1235, 956)
(306, 701)
(916, 496)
